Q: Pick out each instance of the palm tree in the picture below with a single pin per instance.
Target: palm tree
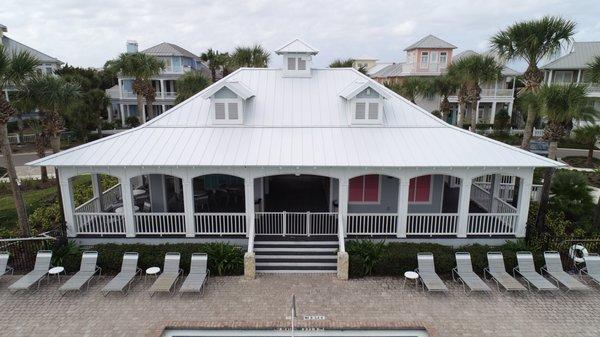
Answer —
(252, 57)
(97, 101)
(532, 41)
(411, 87)
(588, 135)
(444, 86)
(594, 70)
(141, 67)
(41, 142)
(471, 71)
(14, 69)
(216, 61)
(189, 84)
(346, 63)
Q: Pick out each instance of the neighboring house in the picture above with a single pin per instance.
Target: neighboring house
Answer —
(430, 57)
(272, 158)
(48, 64)
(177, 60)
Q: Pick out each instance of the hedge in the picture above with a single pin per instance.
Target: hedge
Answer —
(395, 258)
(223, 259)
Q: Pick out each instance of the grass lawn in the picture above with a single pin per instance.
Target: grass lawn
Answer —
(33, 200)
(580, 161)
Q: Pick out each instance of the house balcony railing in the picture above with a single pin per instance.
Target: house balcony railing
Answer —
(372, 224)
(159, 95)
(432, 224)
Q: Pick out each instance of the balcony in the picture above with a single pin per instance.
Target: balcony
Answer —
(490, 95)
(169, 95)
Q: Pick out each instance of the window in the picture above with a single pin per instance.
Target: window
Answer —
(419, 189)
(364, 189)
(443, 58)
(424, 59)
(227, 111)
(563, 76)
(291, 63)
(301, 64)
(360, 110)
(367, 111)
(219, 110)
(434, 57)
(374, 110)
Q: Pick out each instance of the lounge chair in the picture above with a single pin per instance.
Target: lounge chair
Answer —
(4, 267)
(497, 272)
(196, 279)
(526, 268)
(429, 278)
(171, 273)
(86, 273)
(555, 270)
(129, 270)
(40, 270)
(592, 267)
(465, 274)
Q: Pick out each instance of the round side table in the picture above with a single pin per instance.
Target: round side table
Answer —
(56, 271)
(152, 271)
(411, 275)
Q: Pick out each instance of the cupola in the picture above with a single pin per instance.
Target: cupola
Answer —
(297, 58)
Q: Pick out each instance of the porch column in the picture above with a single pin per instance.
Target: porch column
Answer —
(493, 113)
(66, 194)
(510, 108)
(188, 206)
(494, 192)
(463, 206)
(524, 199)
(474, 127)
(402, 207)
(249, 201)
(162, 88)
(97, 191)
(343, 205)
(122, 111)
(127, 206)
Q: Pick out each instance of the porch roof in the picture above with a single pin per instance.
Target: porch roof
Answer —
(296, 122)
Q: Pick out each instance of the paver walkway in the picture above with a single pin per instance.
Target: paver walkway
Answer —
(264, 302)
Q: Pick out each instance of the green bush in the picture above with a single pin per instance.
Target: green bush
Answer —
(394, 258)
(46, 218)
(223, 259)
(132, 121)
(502, 120)
(571, 196)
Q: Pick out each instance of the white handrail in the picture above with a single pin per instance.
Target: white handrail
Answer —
(432, 224)
(296, 223)
(100, 223)
(492, 223)
(220, 223)
(159, 223)
(372, 223)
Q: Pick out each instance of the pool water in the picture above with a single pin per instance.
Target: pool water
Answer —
(298, 333)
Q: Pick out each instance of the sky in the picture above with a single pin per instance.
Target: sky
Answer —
(88, 33)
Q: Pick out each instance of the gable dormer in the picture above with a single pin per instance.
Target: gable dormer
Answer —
(365, 102)
(227, 102)
(297, 58)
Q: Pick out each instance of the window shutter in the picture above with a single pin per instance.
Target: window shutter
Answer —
(219, 110)
(373, 110)
(291, 63)
(355, 189)
(360, 110)
(232, 108)
(301, 64)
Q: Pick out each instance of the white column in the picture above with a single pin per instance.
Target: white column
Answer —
(142, 113)
(474, 127)
(249, 201)
(97, 191)
(523, 204)
(120, 88)
(579, 76)
(510, 108)
(494, 192)
(188, 206)
(122, 108)
(402, 207)
(463, 206)
(343, 204)
(109, 113)
(66, 193)
(162, 88)
(493, 113)
(127, 206)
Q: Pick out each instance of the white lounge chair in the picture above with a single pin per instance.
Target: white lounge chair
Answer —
(84, 276)
(429, 278)
(4, 267)
(171, 273)
(497, 272)
(555, 270)
(465, 274)
(129, 270)
(198, 275)
(592, 267)
(526, 268)
(39, 272)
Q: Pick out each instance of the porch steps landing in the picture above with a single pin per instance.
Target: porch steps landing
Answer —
(296, 255)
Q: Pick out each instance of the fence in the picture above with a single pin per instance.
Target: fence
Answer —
(23, 250)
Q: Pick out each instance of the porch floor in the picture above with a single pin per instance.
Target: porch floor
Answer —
(232, 302)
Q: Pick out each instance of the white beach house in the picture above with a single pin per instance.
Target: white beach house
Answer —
(297, 154)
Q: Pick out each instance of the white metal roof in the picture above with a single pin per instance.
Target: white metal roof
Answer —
(580, 56)
(297, 46)
(431, 41)
(296, 122)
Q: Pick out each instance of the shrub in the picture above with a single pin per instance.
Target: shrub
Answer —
(223, 259)
(571, 196)
(436, 113)
(46, 218)
(502, 120)
(132, 121)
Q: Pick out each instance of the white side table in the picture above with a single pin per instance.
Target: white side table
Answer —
(411, 275)
(56, 271)
(152, 271)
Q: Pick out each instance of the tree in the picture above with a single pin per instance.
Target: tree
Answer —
(588, 135)
(41, 143)
(571, 195)
(531, 41)
(346, 63)
(411, 88)
(97, 101)
(502, 121)
(141, 67)
(14, 69)
(444, 86)
(251, 57)
(471, 71)
(594, 70)
(189, 84)
(216, 61)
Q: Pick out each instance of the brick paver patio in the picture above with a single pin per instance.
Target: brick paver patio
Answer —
(235, 302)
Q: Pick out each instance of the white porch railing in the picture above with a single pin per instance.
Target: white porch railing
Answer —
(372, 224)
(501, 206)
(492, 223)
(432, 224)
(296, 223)
(100, 223)
(480, 196)
(159, 223)
(90, 206)
(220, 223)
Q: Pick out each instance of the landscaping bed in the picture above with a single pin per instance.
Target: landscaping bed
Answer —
(593, 178)
(580, 161)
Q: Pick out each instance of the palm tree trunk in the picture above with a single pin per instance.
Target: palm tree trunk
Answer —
(545, 197)
(462, 107)
(140, 107)
(44, 174)
(149, 110)
(20, 126)
(553, 150)
(474, 115)
(528, 132)
(596, 220)
(590, 156)
(12, 177)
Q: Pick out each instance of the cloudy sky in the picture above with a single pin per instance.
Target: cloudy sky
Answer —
(91, 32)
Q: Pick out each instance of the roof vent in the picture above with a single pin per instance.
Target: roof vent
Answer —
(297, 58)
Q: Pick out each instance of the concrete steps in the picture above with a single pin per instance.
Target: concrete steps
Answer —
(295, 255)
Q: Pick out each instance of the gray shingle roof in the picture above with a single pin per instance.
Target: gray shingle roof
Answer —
(579, 57)
(13, 46)
(168, 49)
(430, 41)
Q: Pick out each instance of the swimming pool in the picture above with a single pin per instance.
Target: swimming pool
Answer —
(299, 333)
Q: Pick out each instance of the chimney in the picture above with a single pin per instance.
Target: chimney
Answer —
(132, 47)
(2, 31)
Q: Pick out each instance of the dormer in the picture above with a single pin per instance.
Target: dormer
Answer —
(365, 100)
(297, 58)
(227, 101)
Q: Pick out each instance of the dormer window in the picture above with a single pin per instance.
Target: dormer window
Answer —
(366, 111)
(227, 111)
(424, 59)
(365, 101)
(227, 102)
